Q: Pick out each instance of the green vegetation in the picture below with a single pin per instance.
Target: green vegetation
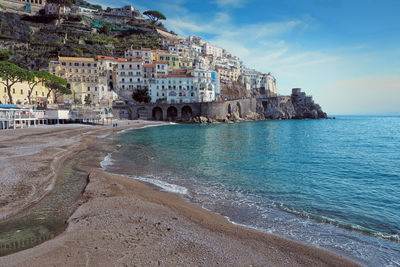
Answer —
(88, 101)
(36, 42)
(154, 15)
(141, 95)
(5, 54)
(11, 74)
(57, 86)
(34, 78)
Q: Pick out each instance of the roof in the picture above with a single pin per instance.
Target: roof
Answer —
(180, 76)
(145, 64)
(160, 62)
(111, 58)
(85, 59)
(133, 61)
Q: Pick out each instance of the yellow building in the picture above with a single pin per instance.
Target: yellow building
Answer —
(19, 94)
(174, 60)
(82, 75)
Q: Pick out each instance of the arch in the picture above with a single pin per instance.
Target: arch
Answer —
(172, 113)
(142, 113)
(239, 109)
(229, 109)
(157, 114)
(186, 113)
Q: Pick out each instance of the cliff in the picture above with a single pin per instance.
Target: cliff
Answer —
(296, 106)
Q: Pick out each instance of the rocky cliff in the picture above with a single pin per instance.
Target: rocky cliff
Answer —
(296, 106)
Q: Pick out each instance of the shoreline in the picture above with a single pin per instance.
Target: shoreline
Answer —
(103, 188)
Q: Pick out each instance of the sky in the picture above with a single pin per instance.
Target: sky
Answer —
(345, 53)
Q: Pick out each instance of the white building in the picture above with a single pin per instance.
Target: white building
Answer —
(255, 80)
(173, 89)
(126, 11)
(128, 77)
(144, 54)
(210, 49)
(197, 86)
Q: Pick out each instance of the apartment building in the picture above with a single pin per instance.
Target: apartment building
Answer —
(129, 76)
(20, 91)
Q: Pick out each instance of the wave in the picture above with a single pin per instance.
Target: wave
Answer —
(107, 161)
(341, 224)
(172, 188)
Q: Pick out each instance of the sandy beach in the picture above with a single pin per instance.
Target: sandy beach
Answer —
(122, 222)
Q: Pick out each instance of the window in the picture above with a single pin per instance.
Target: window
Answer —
(22, 92)
(123, 80)
(172, 93)
(95, 65)
(36, 93)
(88, 88)
(63, 63)
(76, 64)
(42, 93)
(95, 89)
(83, 64)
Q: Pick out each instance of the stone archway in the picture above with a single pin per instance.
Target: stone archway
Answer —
(239, 109)
(142, 113)
(172, 113)
(187, 113)
(157, 114)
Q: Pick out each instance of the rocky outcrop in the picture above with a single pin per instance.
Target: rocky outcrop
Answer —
(296, 106)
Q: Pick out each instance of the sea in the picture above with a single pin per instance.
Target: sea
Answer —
(333, 184)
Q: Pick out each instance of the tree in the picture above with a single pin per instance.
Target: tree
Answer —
(154, 15)
(141, 95)
(57, 86)
(88, 101)
(5, 54)
(11, 74)
(34, 78)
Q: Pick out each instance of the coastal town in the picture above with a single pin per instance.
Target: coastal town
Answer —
(178, 70)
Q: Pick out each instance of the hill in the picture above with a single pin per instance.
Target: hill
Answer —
(35, 40)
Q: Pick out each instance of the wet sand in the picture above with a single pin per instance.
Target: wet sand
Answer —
(123, 222)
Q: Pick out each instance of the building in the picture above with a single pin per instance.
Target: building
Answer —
(256, 80)
(56, 9)
(185, 87)
(83, 77)
(19, 94)
(145, 54)
(128, 77)
(126, 11)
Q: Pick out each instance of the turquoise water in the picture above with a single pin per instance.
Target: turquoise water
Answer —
(334, 184)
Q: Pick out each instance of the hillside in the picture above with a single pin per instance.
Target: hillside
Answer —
(36, 40)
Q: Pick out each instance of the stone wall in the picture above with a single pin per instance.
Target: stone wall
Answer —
(296, 106)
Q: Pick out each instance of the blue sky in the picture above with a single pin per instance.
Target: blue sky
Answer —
(346, 53)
